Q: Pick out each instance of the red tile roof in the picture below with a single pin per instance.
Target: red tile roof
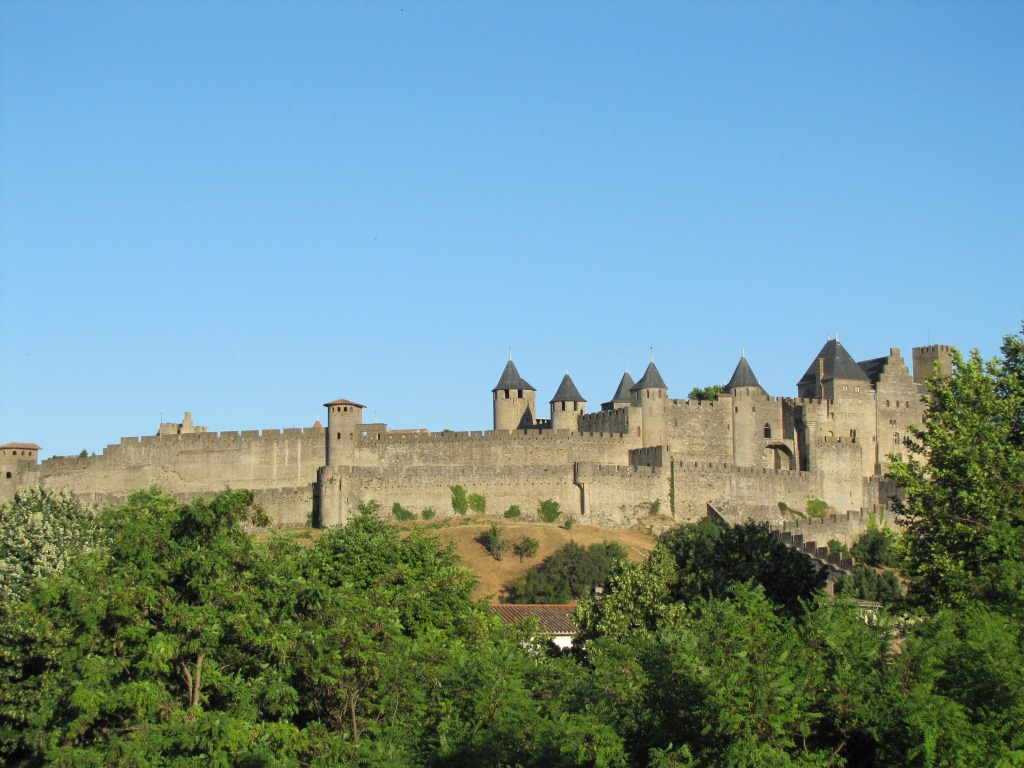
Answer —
(550, 618)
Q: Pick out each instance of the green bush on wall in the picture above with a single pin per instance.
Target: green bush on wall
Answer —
(460, 503)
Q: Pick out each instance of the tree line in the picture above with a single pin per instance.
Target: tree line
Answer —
(158, 633)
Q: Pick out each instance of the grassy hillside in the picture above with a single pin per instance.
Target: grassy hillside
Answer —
(492, 574)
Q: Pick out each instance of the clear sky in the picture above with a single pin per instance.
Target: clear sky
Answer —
(247, 209)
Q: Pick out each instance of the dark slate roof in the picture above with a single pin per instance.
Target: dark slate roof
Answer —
(550, 618)
(622, 393)
(342, 401)
(743, 376)
(567, 392)
(510, 379)
(873, 368)
(838, 365)
(650, 380)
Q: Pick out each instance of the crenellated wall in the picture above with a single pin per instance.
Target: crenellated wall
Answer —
(280, 465)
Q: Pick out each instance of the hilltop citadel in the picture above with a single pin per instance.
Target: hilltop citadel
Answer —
(641, 453)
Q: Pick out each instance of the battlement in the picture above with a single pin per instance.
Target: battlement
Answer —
(206, 438)
(585, 471)
(531, 433)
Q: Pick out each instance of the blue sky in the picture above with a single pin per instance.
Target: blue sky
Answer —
(247, 209)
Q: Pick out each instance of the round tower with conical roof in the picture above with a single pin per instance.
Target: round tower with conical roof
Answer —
(748, 420)
(567, 406)
(344, 418)
(650, 395)
(515, 401)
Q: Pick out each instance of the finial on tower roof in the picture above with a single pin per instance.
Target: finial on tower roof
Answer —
(652, 354)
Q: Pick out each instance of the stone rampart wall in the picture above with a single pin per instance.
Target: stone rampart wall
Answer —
(523, 448)
(279, 465)
(700, 431)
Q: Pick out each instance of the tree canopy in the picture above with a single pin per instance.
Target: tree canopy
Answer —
(964, 481)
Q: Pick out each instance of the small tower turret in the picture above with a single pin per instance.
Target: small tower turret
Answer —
(621, 398)
(343, 420)
(515, 401)
(743, 378)
(567, 406)
(650, 396)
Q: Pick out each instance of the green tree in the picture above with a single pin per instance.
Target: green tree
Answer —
(40, 531)
(570, 572)
(123, 654)
(460, 502)
(706, 393)
(549, 510)
(527, 546)
(477, 503)
(513, 512)
(493, 540)
(963, 516)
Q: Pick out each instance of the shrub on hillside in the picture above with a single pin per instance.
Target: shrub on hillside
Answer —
(513, 512)
(549, 510)
(525, 547)
(427, 513)
(477, 503)
(494, 541)
(571, 572)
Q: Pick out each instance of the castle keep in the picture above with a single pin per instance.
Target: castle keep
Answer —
(640, 453)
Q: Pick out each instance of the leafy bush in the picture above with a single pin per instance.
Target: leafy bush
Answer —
(401, 513)
(816, 508)
(572, 571)
(836, 547)
(525, 547)
(459, 501)
(710, 393)
(427, 513)
(493, 541)
(477, 503)
(513, 512)
(568, 523)
(654, 507)
(371, 507)
(879, 547)
(865, 583)
(549, 510)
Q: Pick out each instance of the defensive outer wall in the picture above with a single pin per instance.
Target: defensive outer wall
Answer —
(642, 456)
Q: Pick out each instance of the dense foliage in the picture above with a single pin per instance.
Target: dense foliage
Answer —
(175, 638)
(964, 481)
(40, 530)
(570, 572)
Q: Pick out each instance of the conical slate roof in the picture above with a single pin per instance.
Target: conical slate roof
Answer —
(650, 380)
(510, 379)
(622, 393)
(567, 392)
(837, 365)
(743, 376)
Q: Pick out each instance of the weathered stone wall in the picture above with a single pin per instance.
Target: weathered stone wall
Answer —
(700, 431)
(454, 451)
(279, 465)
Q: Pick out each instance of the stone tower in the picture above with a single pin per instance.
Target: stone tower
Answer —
(515, 401)
(749, 426)
(833, 373)
(343, 426)
(621, 398)
(925, 359)
(650, 395)
(567, 406)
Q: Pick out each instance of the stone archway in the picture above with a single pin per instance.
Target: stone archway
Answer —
(778, 456)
